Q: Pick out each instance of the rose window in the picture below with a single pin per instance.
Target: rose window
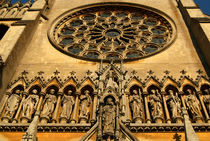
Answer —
(112, 32)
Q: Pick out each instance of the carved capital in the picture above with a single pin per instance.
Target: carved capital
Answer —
(163, 93)
(181, 93)
(42, 94)
(199, 92)
(59, 93)
(25, 94)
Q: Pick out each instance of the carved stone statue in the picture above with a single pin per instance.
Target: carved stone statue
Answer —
(85, 101)
(29, 104)
(12, 104)
(49, 104)
(111, 82)
(174, 104)
(193, 104)
(155, 102)
(136, 106)
(206, 99)
(67, 102)
(108, 119)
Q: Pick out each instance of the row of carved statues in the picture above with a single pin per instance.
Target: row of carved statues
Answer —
(173, 104)
(153, 106)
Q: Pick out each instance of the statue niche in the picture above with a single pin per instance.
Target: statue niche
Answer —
(193, 105)
(155, 101)
(108, 118)
(67, 103)
(85, 101)
(12, 104)
(49, 105)
(29, 105)
(136, 104)
(174, 105)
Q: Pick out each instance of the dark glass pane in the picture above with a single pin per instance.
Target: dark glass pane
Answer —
(89, 17)
(75, 50)
(105, 49)
(82, 28)
(105, 14)
(67, 41)
(150, 49)
(158, 31)
(92, 55)
(76, 23)
(121, 14)
(132, 55)
(143, 27)
(137, 17)
(150, 22)
(120, 50)
(158, 40)
(112, 32)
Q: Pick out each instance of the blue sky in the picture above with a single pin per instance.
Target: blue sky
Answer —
(204, 5)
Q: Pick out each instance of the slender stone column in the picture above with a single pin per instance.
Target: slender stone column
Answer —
(203, 106)
(99, 135)
(15, 120)
(95, 101)
(166, 108)
(117, 133)
(127, 112)
(38, 108)
(148, 118)
(4, 102)
(54, 118)
(182, 99)
(75, 108)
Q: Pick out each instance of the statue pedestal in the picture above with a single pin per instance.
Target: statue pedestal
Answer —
(44, 120)
(24, 119)
(178, 119)
(158, 120)
(138, 120)
(83, 120)
(5, 119)
(198, 119)
(63, 120)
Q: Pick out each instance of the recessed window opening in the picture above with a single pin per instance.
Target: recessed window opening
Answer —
(3, 30)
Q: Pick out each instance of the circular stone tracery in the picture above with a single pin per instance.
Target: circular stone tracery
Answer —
(112, 31)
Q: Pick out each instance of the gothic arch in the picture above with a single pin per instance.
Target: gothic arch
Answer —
(171, 87)
(152, 87)
(69, 87)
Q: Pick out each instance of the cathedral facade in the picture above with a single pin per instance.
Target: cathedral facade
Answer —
(105, 70)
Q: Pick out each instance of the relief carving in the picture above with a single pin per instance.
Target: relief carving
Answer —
(174, 104)
(12, 104)
(108, 119)
(193, 104)
(155, 101)
(85, 101)
(136, 104)
(49, 104)
(68, 103)
(29, 104)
